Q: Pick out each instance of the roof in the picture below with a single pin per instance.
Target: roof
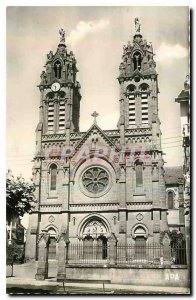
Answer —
(90, 131)
(173, 175)
(184, 95)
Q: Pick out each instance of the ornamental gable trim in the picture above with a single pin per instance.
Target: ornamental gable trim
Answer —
(99, 132)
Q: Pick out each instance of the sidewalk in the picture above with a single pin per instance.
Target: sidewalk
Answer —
(24, 278)
(29, 282)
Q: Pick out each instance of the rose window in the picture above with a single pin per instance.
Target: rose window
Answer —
(95, 180)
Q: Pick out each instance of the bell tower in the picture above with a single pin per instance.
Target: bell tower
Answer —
(60, 91)
(140, 134)
(59, 113)
(138, 83)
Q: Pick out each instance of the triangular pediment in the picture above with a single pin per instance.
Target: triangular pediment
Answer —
(57, 56)
(97, 134)
(137, 47)
(137, 73)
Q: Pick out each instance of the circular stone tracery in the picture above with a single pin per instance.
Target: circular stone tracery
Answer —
(95, 180)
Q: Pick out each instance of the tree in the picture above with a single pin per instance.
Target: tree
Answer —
(178, 247)
(19, 196)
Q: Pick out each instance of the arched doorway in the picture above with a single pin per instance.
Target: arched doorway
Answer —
(140, 243)
(88, 247)
(102, 247)
(52, 244)
(94, 235)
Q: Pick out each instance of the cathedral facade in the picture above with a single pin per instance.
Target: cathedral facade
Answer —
(100, 183)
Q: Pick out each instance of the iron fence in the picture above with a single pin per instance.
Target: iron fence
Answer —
(178, 255)
(139, 254)
(88, 254)
(149, 254)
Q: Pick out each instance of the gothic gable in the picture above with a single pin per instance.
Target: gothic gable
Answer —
(95, 136)
(58, 56)
(135, 48)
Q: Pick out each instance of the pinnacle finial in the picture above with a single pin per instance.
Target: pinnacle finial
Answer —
(137, 26)
(187, 83)
(62, 35)
(95, 115)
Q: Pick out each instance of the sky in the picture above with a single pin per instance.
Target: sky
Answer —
(96, 35)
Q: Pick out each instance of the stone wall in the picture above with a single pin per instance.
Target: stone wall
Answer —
(177, 277)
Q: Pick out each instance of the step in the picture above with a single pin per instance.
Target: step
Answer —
(83, 291)
(86, 281)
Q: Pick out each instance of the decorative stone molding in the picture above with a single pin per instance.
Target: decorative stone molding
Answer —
(139, 230)
(51, 219)
(51, 208)
(77, 135)
(94, 225)
(138, 131)
(62, 237)
(97, 207)
(139, 205)
(94, 229)
(95, 177)
(90, 132)
(43, 238)
(139, 217)
(53, 137)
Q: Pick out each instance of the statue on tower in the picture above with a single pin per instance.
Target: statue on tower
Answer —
(187, 83)
(137, 25)
(62, 35)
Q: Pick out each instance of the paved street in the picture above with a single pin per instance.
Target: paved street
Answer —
(24, 281)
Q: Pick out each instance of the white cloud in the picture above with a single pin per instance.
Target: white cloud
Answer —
(167, 53)
(83, 28)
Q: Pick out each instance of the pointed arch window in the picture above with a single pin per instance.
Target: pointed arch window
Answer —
(170, 197)
(131, 96)
(144, 88)
(137, 59)
(52, 244)
(53, 177)
(139, 173)
(57, 69)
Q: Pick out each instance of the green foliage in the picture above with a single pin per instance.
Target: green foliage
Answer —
(19, 197)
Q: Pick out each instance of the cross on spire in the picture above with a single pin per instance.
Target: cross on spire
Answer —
(95, 115)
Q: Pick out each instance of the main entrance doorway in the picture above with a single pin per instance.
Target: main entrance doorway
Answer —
(95, 236)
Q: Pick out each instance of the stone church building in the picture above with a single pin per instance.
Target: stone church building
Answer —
(98, 184)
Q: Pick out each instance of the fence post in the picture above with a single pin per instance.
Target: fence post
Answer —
(166, 250)
(112, 249)
(62, 256)
(42, 268)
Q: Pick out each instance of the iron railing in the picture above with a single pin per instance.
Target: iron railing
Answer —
(88, 254)
(150, 254)
(178, 255)
(138, 254)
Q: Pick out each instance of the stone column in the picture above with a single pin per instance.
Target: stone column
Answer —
(166, 250)
(42, 268)
(65, 180)
(62, 256)
(112, 255)
(56, 115)
(31, 245)
(122, 209)
(45, 113)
